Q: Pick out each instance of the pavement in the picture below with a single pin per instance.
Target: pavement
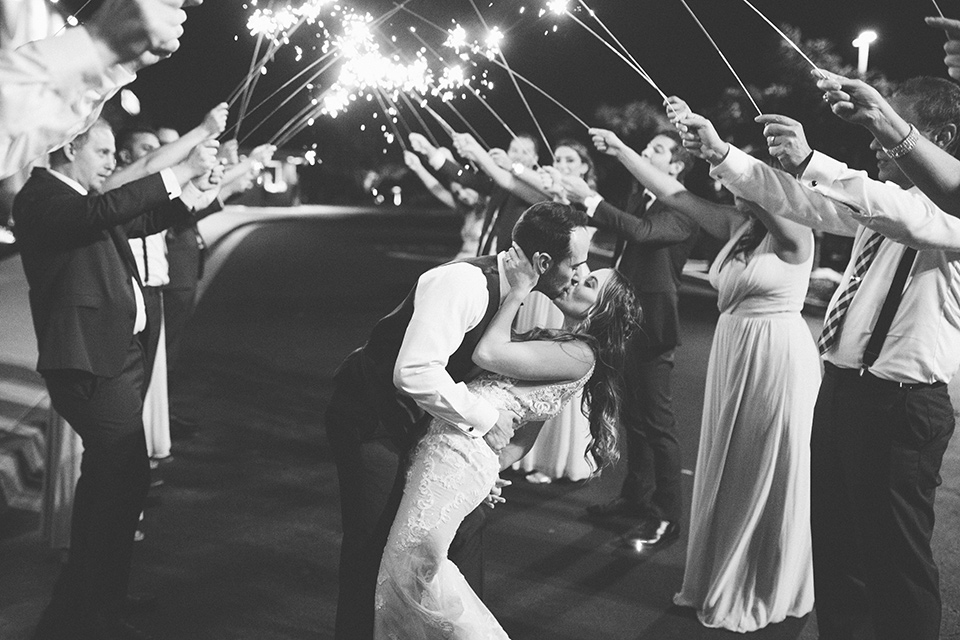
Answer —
(551, 570)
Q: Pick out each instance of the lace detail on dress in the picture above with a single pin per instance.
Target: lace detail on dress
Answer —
(420, 593)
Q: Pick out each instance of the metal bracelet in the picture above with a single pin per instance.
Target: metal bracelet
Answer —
(906, 145)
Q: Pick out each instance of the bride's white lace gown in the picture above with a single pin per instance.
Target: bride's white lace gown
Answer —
(420, 593)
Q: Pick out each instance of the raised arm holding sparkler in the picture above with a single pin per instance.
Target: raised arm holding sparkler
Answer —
(498, 166)
(930, 163)
(171, 154)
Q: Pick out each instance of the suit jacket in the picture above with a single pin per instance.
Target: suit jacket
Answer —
(79, 266)
(658, 242)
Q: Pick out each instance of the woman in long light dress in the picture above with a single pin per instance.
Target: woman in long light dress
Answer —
(749, 554)
(420, 593)
(749, 560)
(559, 449)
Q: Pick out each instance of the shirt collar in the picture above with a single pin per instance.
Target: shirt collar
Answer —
(70, 182)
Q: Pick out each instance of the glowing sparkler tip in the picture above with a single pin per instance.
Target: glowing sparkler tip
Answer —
(557, 7)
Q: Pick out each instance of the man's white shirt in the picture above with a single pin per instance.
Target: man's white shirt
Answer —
(923, 343)
(450, 300)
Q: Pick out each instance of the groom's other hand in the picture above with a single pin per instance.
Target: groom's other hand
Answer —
(500, 434)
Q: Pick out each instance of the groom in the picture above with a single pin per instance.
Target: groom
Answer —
(414, 366)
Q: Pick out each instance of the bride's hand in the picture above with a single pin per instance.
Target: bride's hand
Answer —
(519, 271)
(495, 496)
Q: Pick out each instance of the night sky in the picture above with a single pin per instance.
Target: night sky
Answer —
(569, 64)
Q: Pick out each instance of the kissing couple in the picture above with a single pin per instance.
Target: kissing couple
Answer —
(441, 398)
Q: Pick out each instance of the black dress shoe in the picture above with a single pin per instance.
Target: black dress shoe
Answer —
(615, 508)
(139, 603)
(651, 534)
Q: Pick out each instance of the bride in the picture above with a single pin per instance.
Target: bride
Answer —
(420, 593)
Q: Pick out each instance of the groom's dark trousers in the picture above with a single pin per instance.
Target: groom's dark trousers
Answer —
(372, 428)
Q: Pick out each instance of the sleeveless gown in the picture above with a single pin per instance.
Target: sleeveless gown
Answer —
(749, 555)
(420, 593)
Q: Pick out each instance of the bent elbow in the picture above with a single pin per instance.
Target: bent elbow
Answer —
(482, 357)
(400, 379)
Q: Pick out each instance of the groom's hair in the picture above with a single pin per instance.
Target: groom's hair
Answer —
(546, 227)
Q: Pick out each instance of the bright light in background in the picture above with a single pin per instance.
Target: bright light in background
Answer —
(862, 43)
(130, 102)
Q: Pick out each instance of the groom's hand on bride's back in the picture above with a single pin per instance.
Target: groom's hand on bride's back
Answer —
(500, 434)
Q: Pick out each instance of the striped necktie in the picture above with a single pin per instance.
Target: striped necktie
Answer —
(834, 321)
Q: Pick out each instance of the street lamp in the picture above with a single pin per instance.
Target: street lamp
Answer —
(862, 43)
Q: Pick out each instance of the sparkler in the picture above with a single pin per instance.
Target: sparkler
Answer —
(723, 57)
(455, 72)
(516, 85)
(559, 7)
(784, 36)
(937, 7)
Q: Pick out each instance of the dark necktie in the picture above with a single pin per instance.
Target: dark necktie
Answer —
(645, 198)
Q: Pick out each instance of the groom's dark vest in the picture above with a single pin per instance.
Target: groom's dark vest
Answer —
(371, 367)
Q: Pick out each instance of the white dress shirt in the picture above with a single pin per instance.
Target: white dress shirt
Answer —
(154, 270)
(923, 343)
(450, 301)
(50, 91)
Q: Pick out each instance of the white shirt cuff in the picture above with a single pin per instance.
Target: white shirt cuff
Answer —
(486, 421)
(171, 183)
(194, 197)
(733, 166)
(822, 169)
(591, 203)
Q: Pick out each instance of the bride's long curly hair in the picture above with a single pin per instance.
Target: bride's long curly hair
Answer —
(607, 328)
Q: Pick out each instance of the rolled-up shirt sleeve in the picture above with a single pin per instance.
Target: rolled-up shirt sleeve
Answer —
(449, 301)
(51, 90)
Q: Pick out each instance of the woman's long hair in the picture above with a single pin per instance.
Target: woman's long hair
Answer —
(606, 329)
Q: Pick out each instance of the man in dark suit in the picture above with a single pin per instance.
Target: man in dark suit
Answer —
(88, 312)
(654, 243)
(413, 367)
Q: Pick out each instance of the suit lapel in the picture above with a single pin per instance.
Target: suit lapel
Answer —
(122, 243)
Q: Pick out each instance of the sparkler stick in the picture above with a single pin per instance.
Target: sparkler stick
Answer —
(549, 97)
(475, 93)
(293, 93)
(784, 36)
(252, 76)
(288, 99)
(516, 85)
(305, 114)
(723, 57)
(466, 123)
(422, 122)
(73, 21)
(935, 6)
(396, 132)
(450, 131)
(626, 51)
(393, 105)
